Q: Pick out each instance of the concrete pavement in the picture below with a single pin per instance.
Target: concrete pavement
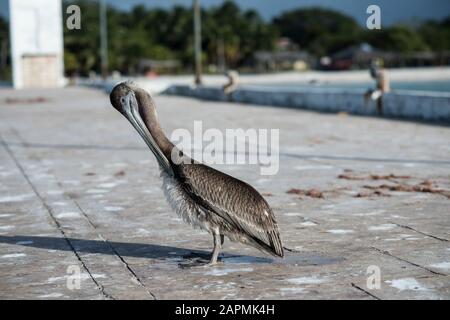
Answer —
(81, 192)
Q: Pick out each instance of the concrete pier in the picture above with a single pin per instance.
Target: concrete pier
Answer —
(428, 106)
(82, 214)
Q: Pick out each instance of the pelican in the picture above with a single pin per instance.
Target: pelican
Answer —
(202, 196)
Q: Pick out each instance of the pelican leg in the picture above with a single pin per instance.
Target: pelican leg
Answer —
(218, 241)
(217, 246)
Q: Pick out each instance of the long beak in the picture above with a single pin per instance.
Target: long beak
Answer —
(131, 108)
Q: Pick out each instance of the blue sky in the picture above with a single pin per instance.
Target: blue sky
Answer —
(392, 11)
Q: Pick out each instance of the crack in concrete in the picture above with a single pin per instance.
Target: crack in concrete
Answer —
(124, 262)
(418, 231)
(385, 252)
(55, 221)
(364, 291)
(111, 247)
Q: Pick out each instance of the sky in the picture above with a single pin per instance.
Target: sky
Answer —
(392, 11)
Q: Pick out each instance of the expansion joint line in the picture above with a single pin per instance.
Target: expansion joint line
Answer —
(418, 231)
(364, 291)
(408, 262)
(111, 247)
(55, 221)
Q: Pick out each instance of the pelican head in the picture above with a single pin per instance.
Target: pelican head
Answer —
(137, 106)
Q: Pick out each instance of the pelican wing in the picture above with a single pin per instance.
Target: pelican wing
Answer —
(239, 205)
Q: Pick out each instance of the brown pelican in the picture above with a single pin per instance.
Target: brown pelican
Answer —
(204, 197)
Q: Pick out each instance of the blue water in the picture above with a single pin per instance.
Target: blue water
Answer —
(430, 86)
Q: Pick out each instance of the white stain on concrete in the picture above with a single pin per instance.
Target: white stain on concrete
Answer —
(6, 215)
(308, 224)
(116, 165)
(94, 191)
(83, 276)
(109, 185)
(340, 231)
(6, 228)
(382, 227)
(404, 237)
(292, 290)
(13, 255)
(4, 174)
(225, 271)
(392, 239)
(59, 203)
(51, 295)
(307, 280)
(406, 284)
(68, 215)
(441, 265)
(113, 208)
(103, 178)
(262, 181)
(368, 214)
(293, 214)
(72, 182)
(409, 165)
(54, 192)
(17, 198)
(143, 231)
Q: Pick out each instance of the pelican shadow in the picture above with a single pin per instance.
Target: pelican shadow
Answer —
(160, 252)
(135, 250)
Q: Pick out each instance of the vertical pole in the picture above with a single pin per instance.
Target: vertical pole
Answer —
(221, 55)
(103, 40)
(4, 52)
(197, 43)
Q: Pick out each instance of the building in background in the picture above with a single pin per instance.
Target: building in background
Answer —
(36, 43)
(287, 56)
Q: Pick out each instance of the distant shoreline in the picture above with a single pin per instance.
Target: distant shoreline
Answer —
(161, 83)
(398, 74)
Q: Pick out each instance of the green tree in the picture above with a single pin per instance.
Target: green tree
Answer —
(240, 33)
(398, 38)
(436, 34)
(229, 35)
(164, 34)
(320, 31)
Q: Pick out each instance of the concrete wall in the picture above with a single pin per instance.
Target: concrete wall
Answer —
(36, 36)
(402, 104)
